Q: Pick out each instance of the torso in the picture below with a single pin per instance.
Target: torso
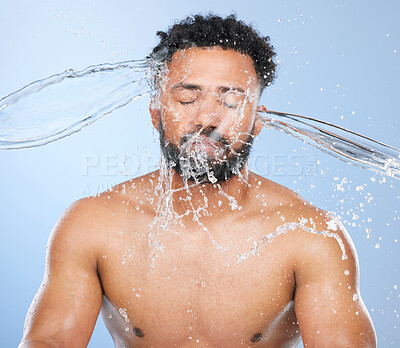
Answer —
(191, 292)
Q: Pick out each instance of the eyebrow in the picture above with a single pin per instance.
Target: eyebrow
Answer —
(224, 89)
(193, 87)
(188, 86)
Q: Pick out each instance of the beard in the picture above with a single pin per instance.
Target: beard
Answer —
(205, 156)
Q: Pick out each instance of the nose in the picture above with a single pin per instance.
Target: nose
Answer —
(209, 111)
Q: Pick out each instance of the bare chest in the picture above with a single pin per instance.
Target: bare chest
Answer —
(175, 290)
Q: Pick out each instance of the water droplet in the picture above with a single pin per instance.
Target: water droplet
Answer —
(122, 311)
(346, 272)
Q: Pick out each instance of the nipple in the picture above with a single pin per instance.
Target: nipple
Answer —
(257, 337)
(138, 332)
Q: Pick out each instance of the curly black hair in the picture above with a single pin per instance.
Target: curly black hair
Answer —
(212, 30)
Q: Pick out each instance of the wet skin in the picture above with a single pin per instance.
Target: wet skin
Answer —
(100, 256)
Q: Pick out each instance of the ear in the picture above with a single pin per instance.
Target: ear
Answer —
(259, 123)
(155, 114)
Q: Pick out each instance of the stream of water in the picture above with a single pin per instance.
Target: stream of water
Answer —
(55, 107)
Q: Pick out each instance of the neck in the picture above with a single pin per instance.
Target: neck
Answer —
(215, 199)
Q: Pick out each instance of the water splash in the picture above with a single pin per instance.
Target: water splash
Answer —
(343, 144)
(168, 219)
(55, 107)
(50, 109)
(293, 226)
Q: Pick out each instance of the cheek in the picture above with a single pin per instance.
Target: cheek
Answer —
(242, 124)
(173, 113)
(174, 125)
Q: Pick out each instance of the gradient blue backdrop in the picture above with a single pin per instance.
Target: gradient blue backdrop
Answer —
(339, 61)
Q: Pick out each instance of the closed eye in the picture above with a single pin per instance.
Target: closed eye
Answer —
(232, 99)
(186, 103)
(231, 106)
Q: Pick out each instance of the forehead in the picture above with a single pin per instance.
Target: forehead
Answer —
(212, 67)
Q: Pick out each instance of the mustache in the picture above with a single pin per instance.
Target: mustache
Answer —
(209, 132)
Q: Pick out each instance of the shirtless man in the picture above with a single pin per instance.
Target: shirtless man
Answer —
(193, 254)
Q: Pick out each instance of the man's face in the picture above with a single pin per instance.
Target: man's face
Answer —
(206, 112)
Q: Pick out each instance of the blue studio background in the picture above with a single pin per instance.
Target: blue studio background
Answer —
(339, 61)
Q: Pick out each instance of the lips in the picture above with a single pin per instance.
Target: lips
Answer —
(211, 142)
(206, 144)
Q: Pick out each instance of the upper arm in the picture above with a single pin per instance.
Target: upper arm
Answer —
(328, 304)
(65, 308)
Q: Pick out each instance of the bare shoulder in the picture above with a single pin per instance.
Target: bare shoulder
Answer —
(326, 271)
(314, 231)
(86, 214)
(78, 229)
(276, 193)
(321, 245)
(277, 199)
(89, 221)
(67, 304)
(130, 192)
